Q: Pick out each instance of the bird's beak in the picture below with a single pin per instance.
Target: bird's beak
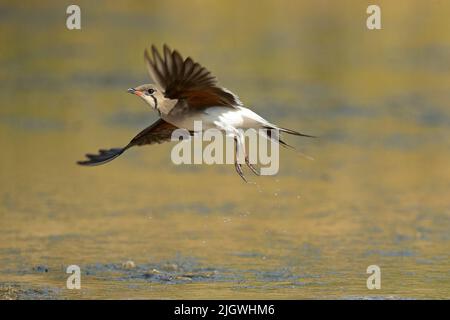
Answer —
(134, 91)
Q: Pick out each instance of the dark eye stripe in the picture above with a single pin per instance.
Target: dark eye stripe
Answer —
(156, 102)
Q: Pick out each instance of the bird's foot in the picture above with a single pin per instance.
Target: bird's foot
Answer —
(239, 171)
(252, 167)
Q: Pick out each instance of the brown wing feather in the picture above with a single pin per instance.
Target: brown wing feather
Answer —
(186, 79)
(160, 131)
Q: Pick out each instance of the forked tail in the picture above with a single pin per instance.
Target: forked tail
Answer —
(295, 133)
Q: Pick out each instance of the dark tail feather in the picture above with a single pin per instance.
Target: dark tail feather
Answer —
(104, 156)
(284, 144)
(295, 133)
(278, 139)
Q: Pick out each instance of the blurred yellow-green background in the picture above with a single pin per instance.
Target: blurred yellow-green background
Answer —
(377, 191)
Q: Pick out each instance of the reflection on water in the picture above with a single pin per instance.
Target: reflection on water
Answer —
(377, 191)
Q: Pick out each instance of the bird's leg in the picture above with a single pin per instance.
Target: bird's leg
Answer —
(237, 165)
(241, 140)
(252, 167)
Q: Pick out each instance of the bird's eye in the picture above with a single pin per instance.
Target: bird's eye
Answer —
(150, 91)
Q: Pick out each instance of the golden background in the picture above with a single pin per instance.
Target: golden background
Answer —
(377, 191)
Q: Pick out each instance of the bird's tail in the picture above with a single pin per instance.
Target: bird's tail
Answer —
(289, 131)
(275, 137)
(295, 133)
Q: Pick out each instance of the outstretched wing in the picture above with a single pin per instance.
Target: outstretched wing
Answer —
(158, 132)
(186, 79)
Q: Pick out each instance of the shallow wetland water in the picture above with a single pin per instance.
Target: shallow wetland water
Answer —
(377, 191)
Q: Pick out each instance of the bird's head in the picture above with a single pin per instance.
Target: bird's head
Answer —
(150, 93)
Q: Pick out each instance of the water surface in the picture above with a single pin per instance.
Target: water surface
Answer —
(377, 191)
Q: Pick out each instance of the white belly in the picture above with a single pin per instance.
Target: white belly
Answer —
(223, 118)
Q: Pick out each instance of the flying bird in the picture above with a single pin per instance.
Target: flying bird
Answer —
(183, 92)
